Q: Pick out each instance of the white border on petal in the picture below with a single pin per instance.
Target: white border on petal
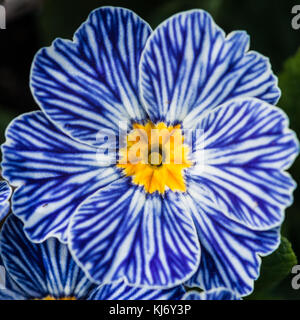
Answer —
(259, 256)
(286, 131)
(113, 8)
(225, 37)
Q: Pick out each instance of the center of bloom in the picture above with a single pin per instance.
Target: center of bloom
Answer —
(63, 298)
(158, 159)
(155, 156)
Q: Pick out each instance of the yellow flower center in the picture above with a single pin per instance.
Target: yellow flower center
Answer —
(155, 156)
(52, 298)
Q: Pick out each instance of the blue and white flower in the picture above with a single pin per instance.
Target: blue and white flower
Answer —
(209, 219)
(44, 271)
(47, 271)
(121, 291)
(5, 193)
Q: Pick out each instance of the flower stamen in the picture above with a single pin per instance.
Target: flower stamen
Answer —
(155, 157)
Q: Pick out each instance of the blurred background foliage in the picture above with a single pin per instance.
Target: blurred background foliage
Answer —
(32, 24)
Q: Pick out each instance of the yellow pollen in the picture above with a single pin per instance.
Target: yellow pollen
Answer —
(155, 157)
(52, 298)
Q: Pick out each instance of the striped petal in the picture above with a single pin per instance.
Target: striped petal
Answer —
(9, 290)
(230, 252)
(189, 66)
(41, 270)
(53, 173)
(216, 294)
(121, 232)
(121, 291)
(22, 259)
(7, 294)
(5, 193)
(92, 83)
(247, 146)
(64, 277)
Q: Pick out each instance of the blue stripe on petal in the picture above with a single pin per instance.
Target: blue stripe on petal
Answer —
(121, 232)
(64, 277)
(9, 290)
(22, 259)
(12, 291)
(7, 294)
(41, 270)
(247, 146)
(122, 291)
(189, 66)
(215, 294)
(229, 250)
(4, 210)
(92, 83)
(53, 173)
(5, 193)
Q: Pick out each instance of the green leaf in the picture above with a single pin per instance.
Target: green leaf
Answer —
(275, 268)
(289, 80)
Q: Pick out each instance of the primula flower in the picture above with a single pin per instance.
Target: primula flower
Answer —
(43, 271)
(157, 223)
(47, 271)
(121, 291)
(5, 193)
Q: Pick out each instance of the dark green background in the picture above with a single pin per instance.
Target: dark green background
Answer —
(269, 26)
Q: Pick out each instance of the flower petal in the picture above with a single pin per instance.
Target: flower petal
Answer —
(92, 83)
(64, 277)
(7, 294)
(247, 145)
(215, 294)
(9, 290)
(5, 193)
(22, 259)
(229, 250)
(41, 270)
(53, 173)
(121, 291)
(121, 232)
(189, 66)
